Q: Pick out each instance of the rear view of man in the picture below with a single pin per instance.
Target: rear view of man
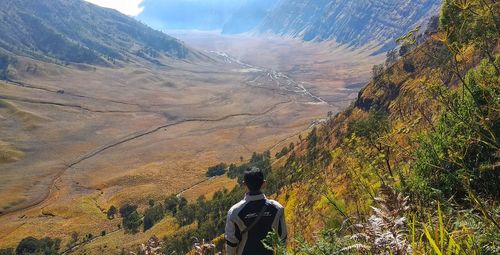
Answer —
(250, 220)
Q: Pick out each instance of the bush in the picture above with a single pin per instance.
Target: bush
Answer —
(460, 154)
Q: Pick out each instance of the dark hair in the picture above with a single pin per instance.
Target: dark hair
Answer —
(254, 178)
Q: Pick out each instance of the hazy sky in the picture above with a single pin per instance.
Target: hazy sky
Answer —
(129, 7)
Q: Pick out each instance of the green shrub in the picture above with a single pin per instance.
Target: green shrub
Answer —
(460, 154)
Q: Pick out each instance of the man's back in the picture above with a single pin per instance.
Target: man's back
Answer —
(249, 222)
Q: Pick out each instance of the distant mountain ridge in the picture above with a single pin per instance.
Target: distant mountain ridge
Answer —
(79, 32)
(348, 22)
(356, 23)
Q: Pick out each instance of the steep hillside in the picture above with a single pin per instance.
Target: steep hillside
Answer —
(77, 31)
(351, 22)
(411, 167)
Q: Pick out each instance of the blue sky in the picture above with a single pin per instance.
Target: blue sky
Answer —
(128, 7)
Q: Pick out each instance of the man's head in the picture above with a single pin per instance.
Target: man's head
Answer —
(254, 179)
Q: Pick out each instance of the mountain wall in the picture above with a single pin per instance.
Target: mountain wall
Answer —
(349, 22)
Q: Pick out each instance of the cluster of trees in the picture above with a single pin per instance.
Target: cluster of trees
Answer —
(132, 219)
(259, 160)
(216, 170)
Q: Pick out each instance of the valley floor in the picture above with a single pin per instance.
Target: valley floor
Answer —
(77, 139)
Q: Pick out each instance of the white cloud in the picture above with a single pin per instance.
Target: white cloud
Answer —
(128, 7)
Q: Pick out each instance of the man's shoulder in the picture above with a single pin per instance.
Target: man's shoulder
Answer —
(237, 206)
(275, 204)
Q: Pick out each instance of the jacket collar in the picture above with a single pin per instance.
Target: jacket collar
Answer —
(254, 197)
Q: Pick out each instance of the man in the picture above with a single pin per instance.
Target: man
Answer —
(250, 220)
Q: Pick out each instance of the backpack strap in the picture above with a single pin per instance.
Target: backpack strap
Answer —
(261, 214)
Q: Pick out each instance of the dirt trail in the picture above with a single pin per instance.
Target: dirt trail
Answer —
(76, 106)
(70, 94)
(132, 137)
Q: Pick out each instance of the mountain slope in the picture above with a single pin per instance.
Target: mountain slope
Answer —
(77, 31)
(350, 22)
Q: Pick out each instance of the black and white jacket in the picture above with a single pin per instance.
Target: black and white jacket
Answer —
(242, 215)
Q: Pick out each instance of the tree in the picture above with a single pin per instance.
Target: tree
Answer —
(391, 58)
(28, 245)
(45, 246)
(153, 215)
(377, 71)
(111, 212)
(182, 203)
(127, 209)
(171, 204)
(131, 218)
(132, 222)
(408, 65)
